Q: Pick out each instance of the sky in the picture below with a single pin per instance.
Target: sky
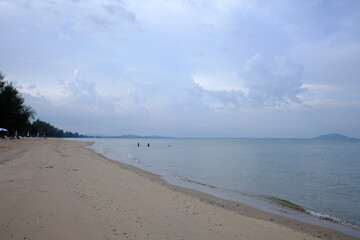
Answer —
(187, 68)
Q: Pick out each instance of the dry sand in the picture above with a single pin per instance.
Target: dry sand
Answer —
(56, 189)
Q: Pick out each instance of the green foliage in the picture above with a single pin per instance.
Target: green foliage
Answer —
(15, 115)
(43, 128)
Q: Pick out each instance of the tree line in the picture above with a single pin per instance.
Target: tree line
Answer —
(40, 128)
(16, 116)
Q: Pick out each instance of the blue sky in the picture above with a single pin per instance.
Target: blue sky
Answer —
(187, 68)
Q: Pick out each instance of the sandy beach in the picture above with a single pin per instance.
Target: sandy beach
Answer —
(57, 189)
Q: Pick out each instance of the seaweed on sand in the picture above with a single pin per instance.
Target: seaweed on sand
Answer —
(286, 203)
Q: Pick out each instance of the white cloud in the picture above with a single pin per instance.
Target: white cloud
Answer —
(260, 83)
(64, 36)
(117, 8)
(330, 61)
(32, 86)
(180, 66)
(177, 13)
(327, 96)
(213, 81)
(83, 93)
(274, 83)
(89, 17)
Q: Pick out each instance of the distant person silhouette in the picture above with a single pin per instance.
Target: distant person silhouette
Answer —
(138, 144)
(148, 144)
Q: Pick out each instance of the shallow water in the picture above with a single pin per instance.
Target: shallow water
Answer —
(323, 176)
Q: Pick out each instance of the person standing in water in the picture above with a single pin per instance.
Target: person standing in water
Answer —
(138, 144)
(148, 144)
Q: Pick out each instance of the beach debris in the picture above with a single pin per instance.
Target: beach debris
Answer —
(71, 169)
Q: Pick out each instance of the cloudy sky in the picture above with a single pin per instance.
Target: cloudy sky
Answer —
(187, 68)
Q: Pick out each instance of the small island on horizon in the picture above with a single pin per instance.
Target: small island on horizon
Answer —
(333, 136)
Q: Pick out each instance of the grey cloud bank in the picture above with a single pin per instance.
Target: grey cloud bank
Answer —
(187, 68)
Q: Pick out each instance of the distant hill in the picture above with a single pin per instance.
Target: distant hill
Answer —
(133, 136)
(138, 136)
(333, 136)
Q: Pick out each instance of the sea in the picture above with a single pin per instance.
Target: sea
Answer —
(322, 176)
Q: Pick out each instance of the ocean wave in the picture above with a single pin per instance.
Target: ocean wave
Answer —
(326, 217)
(131, 156)
(184, 179)
(106, 151)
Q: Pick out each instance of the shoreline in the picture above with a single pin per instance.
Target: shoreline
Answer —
(57, 189)
(318, 229)
(247, 174)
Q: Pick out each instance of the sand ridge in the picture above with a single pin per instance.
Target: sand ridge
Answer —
(56, 189)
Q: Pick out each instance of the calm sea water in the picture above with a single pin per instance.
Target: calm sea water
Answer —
(323, 176)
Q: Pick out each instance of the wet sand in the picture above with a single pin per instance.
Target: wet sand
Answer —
(56, 189)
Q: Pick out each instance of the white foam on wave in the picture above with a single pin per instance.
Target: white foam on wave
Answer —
(106, 151)
(326, 217)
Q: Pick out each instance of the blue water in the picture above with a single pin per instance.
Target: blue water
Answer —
(323, 176)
